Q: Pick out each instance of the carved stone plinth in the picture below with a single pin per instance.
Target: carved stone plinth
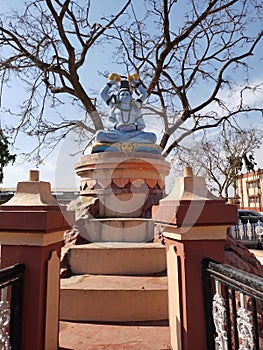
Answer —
(127, 184)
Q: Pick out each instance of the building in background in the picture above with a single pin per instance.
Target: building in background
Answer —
(249, 190)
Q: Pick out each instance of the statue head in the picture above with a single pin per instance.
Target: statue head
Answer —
(124, 94)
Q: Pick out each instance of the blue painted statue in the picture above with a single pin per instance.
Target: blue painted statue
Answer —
(125, 130)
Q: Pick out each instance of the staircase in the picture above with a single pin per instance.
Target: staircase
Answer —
(115, 282)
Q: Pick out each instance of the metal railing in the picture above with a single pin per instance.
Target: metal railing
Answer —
(233, 303)
(250, 234)
(11, 288)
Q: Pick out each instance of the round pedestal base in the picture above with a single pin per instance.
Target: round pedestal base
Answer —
(127, 184)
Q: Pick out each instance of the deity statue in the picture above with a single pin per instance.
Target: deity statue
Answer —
(125, 123)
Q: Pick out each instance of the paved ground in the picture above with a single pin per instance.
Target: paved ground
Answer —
(97, 336)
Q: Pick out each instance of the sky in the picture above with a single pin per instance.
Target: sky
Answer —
(59, 168)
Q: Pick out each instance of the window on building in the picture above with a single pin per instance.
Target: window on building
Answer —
(253, 200)
(253, 184)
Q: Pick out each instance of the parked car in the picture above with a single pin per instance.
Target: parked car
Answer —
(249, 215)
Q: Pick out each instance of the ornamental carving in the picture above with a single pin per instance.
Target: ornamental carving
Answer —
(244, 326)
(4, 325)
(219, 316)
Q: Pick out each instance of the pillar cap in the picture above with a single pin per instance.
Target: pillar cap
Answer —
(190, 203)
(32, 193)
(189, 187)
(33, 208)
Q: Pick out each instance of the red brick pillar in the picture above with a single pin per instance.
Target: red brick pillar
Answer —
(31, 231)
(194, 224)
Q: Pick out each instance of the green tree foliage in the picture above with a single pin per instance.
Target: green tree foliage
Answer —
(5, 156)
(237, 163)
(249, 162)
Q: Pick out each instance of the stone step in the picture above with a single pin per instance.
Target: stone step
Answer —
(117, 258)
(150, 335)
(113, 298)
(118, 230)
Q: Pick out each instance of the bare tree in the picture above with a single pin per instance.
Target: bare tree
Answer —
(193, 58)
(47, 47)
(222, 157)
(196, 62)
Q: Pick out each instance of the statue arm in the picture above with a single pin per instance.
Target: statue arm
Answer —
(109, 124)
(137, 84)
(104, 93)
(140, 123)
(110, 99)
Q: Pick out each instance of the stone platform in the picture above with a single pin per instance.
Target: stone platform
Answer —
(118, 191)
(121, 276)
